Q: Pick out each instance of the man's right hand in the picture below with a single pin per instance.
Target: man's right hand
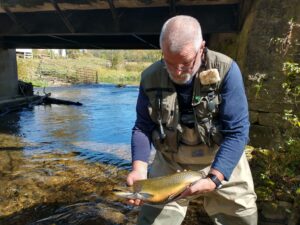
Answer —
(139, 172)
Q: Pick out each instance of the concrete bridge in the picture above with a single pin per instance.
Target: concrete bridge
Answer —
(100, 24)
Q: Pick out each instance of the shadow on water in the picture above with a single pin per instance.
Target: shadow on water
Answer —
(113, 154)
(10, 123)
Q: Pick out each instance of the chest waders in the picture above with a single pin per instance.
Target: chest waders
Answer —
(177, 141)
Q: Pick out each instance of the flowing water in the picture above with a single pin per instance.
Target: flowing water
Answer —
(60, 164)
(59, 161)
(99, 130)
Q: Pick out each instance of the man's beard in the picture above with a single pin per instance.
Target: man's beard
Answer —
(182, 78)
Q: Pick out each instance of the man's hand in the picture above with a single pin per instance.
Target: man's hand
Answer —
(139, 172)
(202, 186)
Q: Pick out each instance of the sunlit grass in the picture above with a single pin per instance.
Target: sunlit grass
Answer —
(41, 71)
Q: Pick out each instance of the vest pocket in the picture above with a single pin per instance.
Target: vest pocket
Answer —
(197, 154)
(170, 143)
(205, 112)
(207, 106)
(163, 107)
(209, 133)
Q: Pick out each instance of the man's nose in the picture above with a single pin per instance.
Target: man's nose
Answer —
(177, 72)
(178, 69)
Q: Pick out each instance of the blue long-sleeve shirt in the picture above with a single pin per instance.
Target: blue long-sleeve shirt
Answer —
(233, 118)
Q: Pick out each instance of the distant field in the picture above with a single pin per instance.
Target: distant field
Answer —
(83, 69)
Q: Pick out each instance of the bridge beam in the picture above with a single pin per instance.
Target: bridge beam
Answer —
(8, 74)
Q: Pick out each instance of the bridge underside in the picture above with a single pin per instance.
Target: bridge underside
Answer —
(106, 24)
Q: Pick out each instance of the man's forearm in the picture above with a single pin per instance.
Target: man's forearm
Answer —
(140, 145)
(140, 166)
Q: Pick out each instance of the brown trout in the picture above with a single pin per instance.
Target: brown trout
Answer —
(162, 189)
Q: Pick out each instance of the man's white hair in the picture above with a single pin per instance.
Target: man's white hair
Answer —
(179, 31)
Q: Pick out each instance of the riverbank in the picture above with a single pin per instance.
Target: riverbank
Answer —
(84, 68)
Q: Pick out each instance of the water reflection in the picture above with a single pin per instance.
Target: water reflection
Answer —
(59, 164)
(51, 158)
(100, 129)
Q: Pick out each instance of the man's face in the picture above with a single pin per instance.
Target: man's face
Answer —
(182, 66)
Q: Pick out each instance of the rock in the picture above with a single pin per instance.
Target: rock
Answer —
(262, 136)
(277, 212)
(253, 117)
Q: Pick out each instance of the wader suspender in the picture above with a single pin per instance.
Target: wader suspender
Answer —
(162, 134)
(211, 107)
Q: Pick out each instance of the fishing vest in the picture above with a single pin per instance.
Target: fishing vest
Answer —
(196, 145)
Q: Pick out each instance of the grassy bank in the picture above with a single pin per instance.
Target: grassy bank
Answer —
(83, 68)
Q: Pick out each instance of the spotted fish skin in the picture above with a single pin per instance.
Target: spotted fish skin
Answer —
(162, 189)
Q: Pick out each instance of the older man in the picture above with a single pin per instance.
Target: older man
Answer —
(192, 107)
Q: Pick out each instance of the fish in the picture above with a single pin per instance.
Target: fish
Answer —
(161, 190)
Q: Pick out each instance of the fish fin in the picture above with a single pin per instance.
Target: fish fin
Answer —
(131, 195)
(124, 194)
(144, 195)
(173, 196)
(176, 198)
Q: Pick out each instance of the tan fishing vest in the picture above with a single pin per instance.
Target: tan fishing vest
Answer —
(176, 141)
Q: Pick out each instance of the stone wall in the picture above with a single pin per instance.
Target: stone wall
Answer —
(261, 65)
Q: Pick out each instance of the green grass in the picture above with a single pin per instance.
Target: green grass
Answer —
(40, 71)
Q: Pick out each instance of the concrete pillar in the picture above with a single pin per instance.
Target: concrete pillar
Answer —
(8, 74)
